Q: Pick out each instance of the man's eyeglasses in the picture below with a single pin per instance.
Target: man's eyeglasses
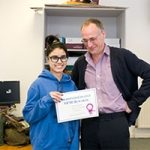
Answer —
(92, 40)
(55, 59)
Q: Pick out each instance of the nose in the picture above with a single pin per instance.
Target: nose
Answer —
(59, 60)
(89, 43)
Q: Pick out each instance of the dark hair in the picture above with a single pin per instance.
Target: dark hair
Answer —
(50, 39)
(86, 1)
(53, 43)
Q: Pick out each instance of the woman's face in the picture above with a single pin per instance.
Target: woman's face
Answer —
(57, 61)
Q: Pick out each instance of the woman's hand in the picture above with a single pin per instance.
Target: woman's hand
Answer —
(56, 96)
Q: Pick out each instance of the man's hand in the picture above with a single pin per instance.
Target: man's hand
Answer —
(128, 110)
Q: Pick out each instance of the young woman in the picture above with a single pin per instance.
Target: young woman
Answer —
(45, 132)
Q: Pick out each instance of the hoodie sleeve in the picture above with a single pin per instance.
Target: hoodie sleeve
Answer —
(37, 107)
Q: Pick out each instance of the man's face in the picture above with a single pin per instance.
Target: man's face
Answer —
(93, 39)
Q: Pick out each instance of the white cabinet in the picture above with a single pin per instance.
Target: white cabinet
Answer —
(65, 21)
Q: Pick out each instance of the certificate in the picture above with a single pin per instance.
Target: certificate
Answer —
(77, 105)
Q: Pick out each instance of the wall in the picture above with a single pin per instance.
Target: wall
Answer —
(21, 37)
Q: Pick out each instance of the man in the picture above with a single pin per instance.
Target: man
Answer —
(113, 72)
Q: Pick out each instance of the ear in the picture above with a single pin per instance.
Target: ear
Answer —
(103, 33)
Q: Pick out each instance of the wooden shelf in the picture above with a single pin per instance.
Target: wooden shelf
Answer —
(80, 10)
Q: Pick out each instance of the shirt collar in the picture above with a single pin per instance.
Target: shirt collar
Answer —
(106, 52)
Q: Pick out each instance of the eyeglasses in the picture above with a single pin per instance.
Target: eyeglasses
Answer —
(92, 40)
(55, 58)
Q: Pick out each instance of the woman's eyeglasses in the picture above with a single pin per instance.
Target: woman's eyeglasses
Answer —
(55, 59)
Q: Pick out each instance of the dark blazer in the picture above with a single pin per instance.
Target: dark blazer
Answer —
(126, 68)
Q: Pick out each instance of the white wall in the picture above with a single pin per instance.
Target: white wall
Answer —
(21, 37)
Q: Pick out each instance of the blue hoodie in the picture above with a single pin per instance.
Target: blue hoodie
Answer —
(40, 113)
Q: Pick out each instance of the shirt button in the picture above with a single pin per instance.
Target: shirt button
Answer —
(98, 76)
(98, 88)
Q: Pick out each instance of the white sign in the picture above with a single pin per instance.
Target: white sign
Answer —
(77, 105)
